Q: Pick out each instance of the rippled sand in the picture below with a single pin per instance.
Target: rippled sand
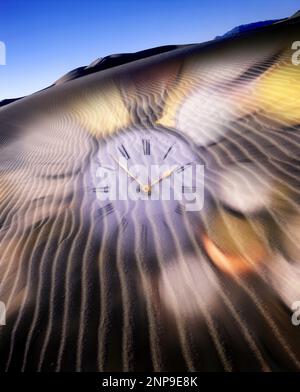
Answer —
(212, 293)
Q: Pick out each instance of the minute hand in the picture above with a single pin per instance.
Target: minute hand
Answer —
(166, 174)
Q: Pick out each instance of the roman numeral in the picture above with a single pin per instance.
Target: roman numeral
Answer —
(144, 235)
(146, 146)
(106, 210)
(167, 153)
(182, 168)
(104, 189)
(188, 189)
(107, 168)
(124, 152)
(123, 224)
(180, 209)
(166, 225)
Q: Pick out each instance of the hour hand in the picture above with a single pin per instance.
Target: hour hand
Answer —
(142, 186)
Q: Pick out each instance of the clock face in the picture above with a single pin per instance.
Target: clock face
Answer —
(147, 174)
(147, 181)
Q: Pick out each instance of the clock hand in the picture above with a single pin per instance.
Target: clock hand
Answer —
(143, 187)
(166, 174)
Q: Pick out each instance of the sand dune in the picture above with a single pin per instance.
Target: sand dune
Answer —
(94, 286)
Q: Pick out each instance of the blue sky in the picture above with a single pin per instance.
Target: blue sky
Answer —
(46, 38)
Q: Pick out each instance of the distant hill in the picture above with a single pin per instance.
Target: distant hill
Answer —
(247, 27)
(114, 60)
